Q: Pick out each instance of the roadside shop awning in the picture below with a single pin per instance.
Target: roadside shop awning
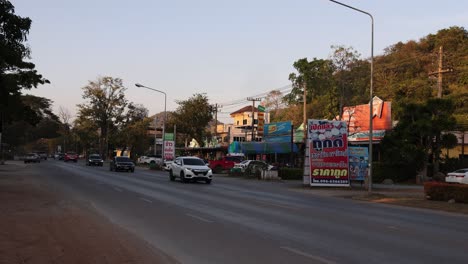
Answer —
(262, 147)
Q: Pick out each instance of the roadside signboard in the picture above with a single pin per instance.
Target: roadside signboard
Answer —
(328, 145)
(261, 123)
(278, 132)
(169, 150)
(261, 108)
(169, 136)
(358, 163)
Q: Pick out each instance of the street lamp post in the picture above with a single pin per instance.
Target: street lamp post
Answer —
(164, 122)
(371, 114)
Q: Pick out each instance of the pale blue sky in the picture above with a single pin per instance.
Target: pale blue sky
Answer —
(226, 49)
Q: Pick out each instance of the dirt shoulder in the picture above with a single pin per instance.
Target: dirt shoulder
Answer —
(41, 226)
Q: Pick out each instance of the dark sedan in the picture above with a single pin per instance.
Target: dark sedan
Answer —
(94, 160)
(122, 164)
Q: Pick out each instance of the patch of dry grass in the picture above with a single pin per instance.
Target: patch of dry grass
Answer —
(417, 202)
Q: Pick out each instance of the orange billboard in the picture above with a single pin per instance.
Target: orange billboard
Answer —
(357, 118)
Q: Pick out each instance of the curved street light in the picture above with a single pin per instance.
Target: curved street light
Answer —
(165, 118)
(371, 108)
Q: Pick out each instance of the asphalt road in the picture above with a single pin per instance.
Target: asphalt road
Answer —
(247, 221)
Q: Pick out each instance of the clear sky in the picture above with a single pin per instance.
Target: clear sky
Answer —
(227, 49)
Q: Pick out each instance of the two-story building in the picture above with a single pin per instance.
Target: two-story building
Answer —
(245, 125)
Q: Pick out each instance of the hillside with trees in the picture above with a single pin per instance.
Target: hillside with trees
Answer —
(405, 73)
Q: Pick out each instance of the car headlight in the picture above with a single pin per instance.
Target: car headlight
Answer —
(189, 169)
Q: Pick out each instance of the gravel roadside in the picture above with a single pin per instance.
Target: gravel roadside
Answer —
(41, 226)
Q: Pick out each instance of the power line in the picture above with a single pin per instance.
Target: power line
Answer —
(261, 95)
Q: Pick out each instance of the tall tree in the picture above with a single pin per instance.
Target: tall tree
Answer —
(86, 132)
(15, 73)
(192, 116)
(317, 77)
(343, 58)
(38, 122)
(133, 132)
(274, 102)
(412, 140)
(105, 106)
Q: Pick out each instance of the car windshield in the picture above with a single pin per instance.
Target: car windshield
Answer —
(245, 162)
(95, 157)
(123, 159)
(197, 162)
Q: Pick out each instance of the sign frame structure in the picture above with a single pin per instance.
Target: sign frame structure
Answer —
(328, 153)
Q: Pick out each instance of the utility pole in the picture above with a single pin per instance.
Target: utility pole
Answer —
(440, 71)
(216, 108)
(253, 112)
(304, 114)
(155, 130)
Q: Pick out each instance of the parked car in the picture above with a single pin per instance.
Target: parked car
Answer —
(94, 159)
(252, 166)
(190, 169)
(241, 167)
(225, 163)
(60, 156)
(32, 157)
(167, 164)
(150, 159)
(458, 176)
(122, 163)
(70, 156)
(42, 154)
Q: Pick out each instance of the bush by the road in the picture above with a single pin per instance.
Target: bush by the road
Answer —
(441, 191)
(395, 172)
(154, 166)
(291, 173)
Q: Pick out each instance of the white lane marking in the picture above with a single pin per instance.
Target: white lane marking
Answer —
(118, 189)
(200, 218)
(304, 254)
(393, 227)
(146, 200)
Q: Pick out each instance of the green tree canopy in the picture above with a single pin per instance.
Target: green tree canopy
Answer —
(192, 116)
(418, 133)
(105, 106)
(16, 73)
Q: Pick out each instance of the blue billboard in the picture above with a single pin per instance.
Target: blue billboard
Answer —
(277, 132)
(358, 163)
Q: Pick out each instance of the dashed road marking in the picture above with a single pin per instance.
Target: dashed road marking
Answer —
(200, 218)
(146, 200)
(118, 189)
(307, 255)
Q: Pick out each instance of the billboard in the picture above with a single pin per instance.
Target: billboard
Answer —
(358, 163)
(278, 132)
(169, 150)
(357, 118)
(328, 157)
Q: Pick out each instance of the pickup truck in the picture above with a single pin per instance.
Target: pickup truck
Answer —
(150, 159)
(225, 163)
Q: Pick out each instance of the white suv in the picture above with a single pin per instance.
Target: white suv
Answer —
(190, 168)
